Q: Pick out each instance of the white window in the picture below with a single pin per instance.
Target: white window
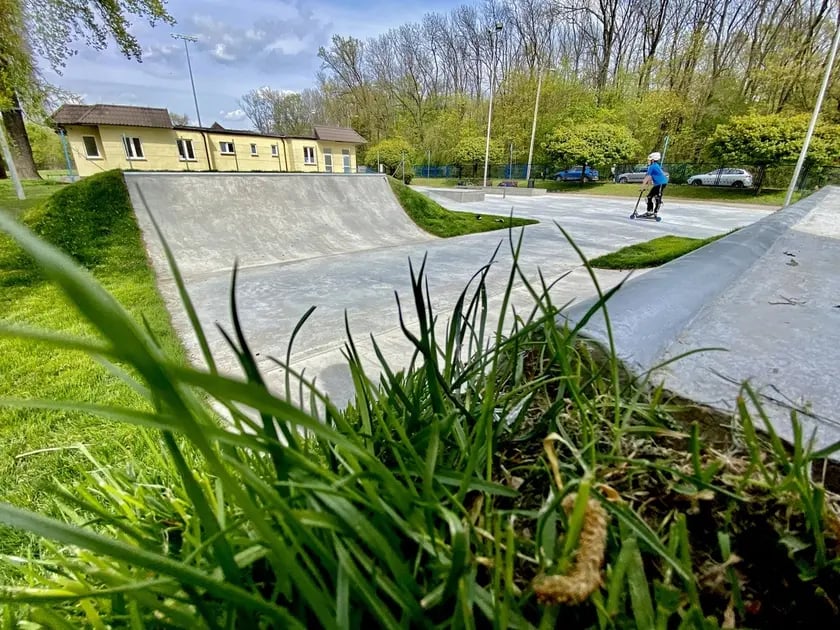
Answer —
(328, 160)
(345, 157)
(91, 150)
(274, 151)
(253, 149)
(185, 150)
(226, 148)
(133, 148)
(309, 155)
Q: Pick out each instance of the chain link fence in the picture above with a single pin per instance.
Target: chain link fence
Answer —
(776, 176)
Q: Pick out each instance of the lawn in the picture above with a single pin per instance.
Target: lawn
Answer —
(437, 220)
(651, 253)
(770, 197)
(92, 220)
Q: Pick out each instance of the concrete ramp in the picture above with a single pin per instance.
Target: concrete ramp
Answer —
(211, 219)
(768, 294)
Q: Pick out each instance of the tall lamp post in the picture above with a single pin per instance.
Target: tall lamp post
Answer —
(534, 125)
(498, 30)
(190, 38)
(829, 65)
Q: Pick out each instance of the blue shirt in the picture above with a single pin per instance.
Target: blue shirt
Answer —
(656, 174)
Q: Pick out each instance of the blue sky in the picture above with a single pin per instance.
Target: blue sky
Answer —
(242, 45)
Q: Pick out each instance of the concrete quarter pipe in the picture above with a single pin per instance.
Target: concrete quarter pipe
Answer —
(211, 219)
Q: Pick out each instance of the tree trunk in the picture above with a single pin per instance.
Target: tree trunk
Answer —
(2, 169)
(19, 141)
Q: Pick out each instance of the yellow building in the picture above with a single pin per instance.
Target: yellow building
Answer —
(104, 137)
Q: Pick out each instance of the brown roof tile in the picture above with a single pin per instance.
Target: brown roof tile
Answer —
(124, 115)
(338, 134)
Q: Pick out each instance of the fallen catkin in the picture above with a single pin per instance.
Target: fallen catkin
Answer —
(585, 575)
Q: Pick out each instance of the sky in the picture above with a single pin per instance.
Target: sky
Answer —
(242, 45)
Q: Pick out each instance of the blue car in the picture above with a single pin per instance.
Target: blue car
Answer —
(574, 173)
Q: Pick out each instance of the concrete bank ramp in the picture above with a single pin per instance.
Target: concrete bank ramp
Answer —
(211, 219)
(769, 294)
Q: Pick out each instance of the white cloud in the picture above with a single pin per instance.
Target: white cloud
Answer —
(234, 115)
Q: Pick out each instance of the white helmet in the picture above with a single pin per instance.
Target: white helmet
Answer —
(655, 156)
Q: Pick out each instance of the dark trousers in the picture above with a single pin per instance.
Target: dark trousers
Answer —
(655, 194)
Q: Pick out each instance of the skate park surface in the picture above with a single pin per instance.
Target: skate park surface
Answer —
(341, 243)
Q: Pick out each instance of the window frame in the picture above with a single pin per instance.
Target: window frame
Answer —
(254, 150)
(229, 143)
(88, 155)
(311, 160)
(328, 160)
(275, 150)
(185, 155)
(135, 144)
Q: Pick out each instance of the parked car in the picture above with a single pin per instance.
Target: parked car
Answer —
(635, 176)
(509, 183)
(574, 173)
(735, 177)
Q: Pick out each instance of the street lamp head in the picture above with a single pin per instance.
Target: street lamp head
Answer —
(189, 38)
(499, 26)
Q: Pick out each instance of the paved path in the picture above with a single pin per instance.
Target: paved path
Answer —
(211, 225)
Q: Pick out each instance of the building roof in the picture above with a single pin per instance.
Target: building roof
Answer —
(133, 116)
(124, 115)
(338, 134)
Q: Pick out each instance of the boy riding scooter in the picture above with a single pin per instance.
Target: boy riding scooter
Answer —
(657, 177)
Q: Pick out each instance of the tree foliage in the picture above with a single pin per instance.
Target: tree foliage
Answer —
(391, 153)
(277, 111)
(772, 139)
(470, 151)
(593, 143)
(46, 146)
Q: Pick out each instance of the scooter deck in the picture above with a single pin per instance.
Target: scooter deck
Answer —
(641, 216)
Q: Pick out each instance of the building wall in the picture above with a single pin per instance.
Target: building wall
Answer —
(160, 151)
(243, 160)
(85, 165)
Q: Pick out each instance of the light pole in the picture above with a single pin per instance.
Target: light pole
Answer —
(190, 38)
(828, 67)
(534, 125)
(498, 30)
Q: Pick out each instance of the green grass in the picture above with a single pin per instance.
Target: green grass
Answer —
(93, 221)
(767, 197)
(34, 191)
(437, 220)
(652, 253)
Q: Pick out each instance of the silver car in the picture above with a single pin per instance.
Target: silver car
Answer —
(635, 176)
(735, 177)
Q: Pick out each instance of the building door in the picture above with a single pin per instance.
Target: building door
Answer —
(328, 165)
(345, 156)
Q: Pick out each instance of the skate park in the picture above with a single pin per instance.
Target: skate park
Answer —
(343, 245)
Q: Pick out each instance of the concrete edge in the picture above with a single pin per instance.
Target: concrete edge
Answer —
(648, 313)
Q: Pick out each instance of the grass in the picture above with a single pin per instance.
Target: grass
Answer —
(437, 220)
(768, 197)
(34, 191)
(93, 221)
(652, 253)
(509, 476)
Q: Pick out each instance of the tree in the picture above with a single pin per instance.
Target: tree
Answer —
(390, 152)
(46, 146)
(598, 144)
(258, 106)
(179, 119)
(767, 140)
(470, 152)
(51, 28)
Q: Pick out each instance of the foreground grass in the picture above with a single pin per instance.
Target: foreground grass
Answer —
(652, 253)
(437, 220)
(94, 222)
(767, 197)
